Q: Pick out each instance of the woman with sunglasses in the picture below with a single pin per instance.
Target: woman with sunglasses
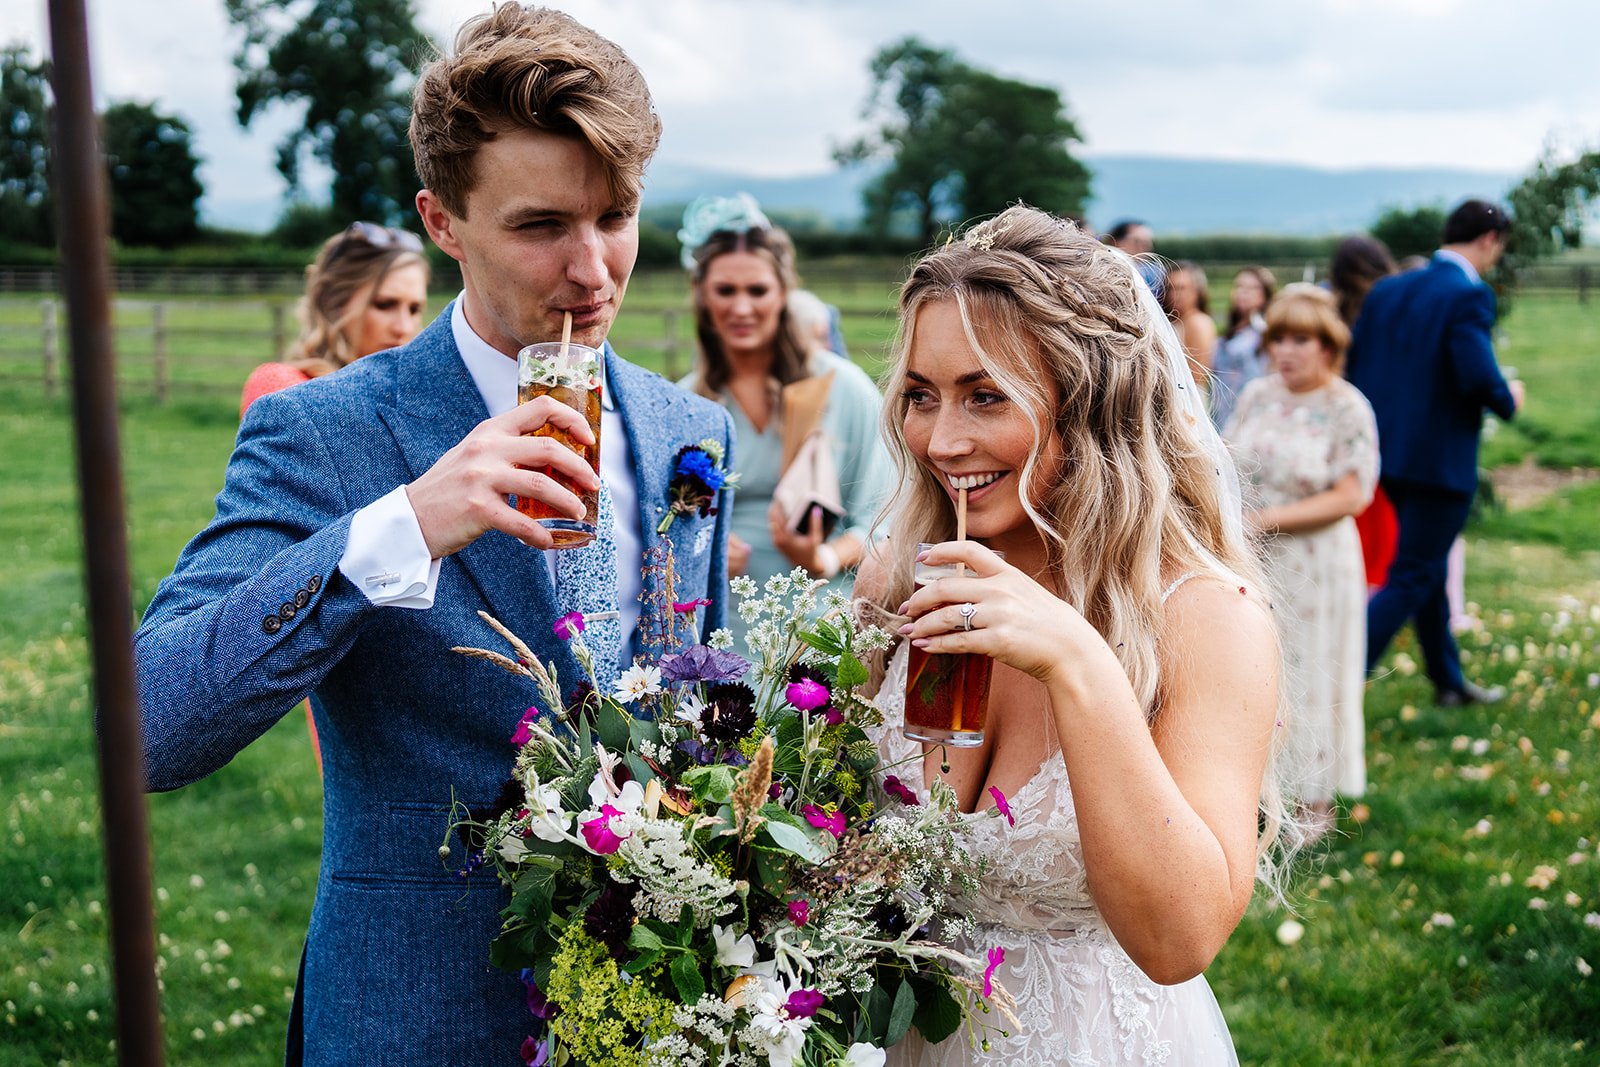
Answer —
(365, 292)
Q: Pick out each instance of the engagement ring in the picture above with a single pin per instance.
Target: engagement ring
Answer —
(968, 610)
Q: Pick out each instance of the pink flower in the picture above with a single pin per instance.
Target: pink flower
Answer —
(997, 956)
(1002, 805)
(807, 695)
(569, 625)
(803, 1003)
(597, 832)
(900, 791)
(689, 606)
(831, 821)
(799, 912)
(524, 727)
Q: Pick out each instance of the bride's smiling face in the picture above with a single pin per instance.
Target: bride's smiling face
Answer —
(961, 426)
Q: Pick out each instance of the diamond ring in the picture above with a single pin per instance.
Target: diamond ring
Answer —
(968, 610)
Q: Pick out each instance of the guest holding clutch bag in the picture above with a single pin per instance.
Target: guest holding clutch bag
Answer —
(811, 463)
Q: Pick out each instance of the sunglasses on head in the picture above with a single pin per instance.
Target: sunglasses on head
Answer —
(378, 237)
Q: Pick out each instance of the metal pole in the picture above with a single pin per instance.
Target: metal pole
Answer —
(81, 226)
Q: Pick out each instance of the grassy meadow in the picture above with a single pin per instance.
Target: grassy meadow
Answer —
(1452, 919)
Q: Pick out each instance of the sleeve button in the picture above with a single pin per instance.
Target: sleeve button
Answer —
(301, 598)
(314, 583)
(271, 624)
(286, 610)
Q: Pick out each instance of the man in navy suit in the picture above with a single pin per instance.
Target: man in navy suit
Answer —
(1423, 357)
(364, 522)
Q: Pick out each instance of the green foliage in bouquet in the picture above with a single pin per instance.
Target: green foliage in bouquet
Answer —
(711, 866)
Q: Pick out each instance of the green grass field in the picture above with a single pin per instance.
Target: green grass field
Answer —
(1454, 919)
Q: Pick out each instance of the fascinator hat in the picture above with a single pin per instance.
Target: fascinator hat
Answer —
(738, 213)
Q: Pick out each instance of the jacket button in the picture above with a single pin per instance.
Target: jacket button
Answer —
(271, 624)
(286, 611)
(301, 598)
(314, 583)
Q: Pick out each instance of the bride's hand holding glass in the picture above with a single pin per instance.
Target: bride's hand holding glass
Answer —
(1012, 617)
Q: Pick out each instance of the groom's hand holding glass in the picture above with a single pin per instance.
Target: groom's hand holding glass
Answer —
(464, 495)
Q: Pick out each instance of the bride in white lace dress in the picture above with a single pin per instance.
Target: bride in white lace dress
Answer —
(1134, 708)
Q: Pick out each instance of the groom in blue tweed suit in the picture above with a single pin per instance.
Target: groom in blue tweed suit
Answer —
(364, 522)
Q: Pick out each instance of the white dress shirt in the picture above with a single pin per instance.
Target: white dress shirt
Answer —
(386, 557)
(1461, 261)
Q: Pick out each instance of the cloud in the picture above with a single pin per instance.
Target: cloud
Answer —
(771, 87)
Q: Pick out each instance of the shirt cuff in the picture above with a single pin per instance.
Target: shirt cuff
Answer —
(385, 556)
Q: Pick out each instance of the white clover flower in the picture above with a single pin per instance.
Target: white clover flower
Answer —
(733, 951)
(636, 683)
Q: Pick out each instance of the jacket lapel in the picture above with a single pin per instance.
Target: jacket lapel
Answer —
(436, 404)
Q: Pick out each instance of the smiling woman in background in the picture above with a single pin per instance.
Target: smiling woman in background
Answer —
(365, 292)
(755, 360)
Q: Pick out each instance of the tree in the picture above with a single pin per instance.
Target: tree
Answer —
(1410, 232)
(25, 200)
(154, 188)
(1548, 206)
(350, 63)
(962, 142)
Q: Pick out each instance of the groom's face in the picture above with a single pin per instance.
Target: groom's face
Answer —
(541, 236)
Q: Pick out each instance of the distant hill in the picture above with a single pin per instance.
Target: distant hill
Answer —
(1176, 196)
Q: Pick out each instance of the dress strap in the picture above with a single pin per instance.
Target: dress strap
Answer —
(1179, 581)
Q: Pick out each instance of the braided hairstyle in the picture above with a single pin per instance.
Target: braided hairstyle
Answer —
(1061, 323)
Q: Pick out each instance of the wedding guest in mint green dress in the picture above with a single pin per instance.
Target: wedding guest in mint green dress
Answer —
(741, 271)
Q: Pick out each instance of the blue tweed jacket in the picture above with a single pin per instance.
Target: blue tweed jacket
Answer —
(256, 615)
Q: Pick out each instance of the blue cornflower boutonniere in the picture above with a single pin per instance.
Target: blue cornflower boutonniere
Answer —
(697, 479)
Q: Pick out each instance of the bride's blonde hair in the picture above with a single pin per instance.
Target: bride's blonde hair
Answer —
(1057, 320)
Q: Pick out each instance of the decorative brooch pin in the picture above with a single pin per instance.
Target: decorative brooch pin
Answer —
(697, 478)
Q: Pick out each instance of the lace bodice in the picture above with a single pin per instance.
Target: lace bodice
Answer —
(1035, 879)
(1079, 998)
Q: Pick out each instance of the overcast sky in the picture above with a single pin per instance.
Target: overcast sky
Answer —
(770, 86)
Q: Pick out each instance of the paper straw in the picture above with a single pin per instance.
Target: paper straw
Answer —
(566, 334)
(961, 523)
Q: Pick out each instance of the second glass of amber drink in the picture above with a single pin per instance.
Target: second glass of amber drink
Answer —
(569, 373)
(947, 696)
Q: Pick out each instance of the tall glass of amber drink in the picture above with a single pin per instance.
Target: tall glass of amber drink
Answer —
(569, 373)
(947, 696)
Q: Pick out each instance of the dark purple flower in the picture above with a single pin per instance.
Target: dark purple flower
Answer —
(803, 1004)
(900, 791)
(806, 694)
(775, 790)
(569, 625)
(702, 663)
(610, 918)
(730, 712)
(799, 912)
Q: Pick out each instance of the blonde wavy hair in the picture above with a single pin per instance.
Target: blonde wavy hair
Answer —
(346, 267)
(1057, 319)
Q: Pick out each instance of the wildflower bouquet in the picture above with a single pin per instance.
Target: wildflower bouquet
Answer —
(704, 869)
